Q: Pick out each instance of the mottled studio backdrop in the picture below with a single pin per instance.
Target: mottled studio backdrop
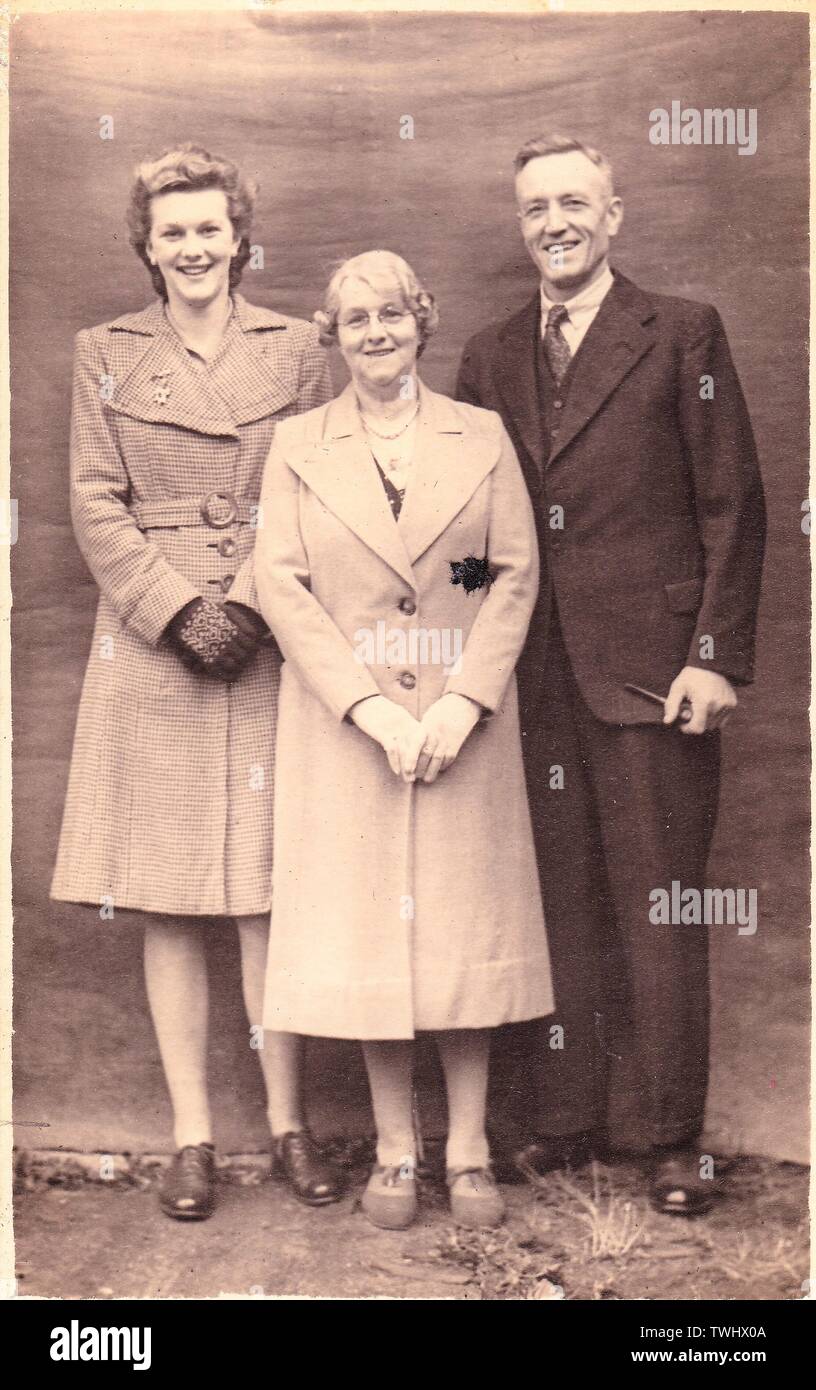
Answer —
(312, 107)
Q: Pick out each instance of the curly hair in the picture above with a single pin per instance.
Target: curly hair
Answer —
(378, 266)
(188, 168)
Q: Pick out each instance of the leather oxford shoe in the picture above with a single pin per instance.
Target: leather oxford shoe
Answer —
(312, 1178)
(188, 1189)
(677, 1187)
(542, 1155)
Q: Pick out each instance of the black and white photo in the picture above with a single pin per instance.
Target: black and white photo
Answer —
(408, 528)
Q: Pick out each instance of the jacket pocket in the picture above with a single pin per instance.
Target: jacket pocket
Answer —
(685, 596)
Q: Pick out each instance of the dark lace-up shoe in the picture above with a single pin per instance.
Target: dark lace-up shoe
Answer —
(188, 1189)
(312, 1178)
(678, 1187)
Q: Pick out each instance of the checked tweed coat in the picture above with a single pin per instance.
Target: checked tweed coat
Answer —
(398, 907)
(169, 805)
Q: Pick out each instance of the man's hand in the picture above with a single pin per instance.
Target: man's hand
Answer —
(711, 696)
(396, 731)
(446, 725)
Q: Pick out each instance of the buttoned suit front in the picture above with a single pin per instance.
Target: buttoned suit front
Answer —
(398, 907)
(169, 804)
(643, 475)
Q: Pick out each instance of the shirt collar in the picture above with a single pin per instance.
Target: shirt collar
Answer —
(585, 300)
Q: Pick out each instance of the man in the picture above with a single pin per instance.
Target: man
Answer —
(631, 427)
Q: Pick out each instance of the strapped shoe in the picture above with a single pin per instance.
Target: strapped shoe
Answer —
(313, 1179)
(390, 1200)
(474, 1197)
(188, 1188)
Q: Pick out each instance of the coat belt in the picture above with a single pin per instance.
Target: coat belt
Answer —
(216, 509)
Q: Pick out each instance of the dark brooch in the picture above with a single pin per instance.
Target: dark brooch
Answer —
(471, 573)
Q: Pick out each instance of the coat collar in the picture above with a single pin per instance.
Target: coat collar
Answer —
(165, 386)
(621, 333)
(153, 321)
(451, 459)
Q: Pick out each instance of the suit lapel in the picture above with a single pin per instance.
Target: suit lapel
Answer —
(621, 333)
(516, 378)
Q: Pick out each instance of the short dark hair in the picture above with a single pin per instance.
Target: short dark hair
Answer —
(186, 169)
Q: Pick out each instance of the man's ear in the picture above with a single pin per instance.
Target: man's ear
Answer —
(614, 216)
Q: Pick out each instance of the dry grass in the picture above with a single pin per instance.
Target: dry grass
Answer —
(614, 1222)
(589, 1235)
(751, 1257)
(593, 1234)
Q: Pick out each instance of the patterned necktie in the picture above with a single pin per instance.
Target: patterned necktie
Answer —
(556, 346)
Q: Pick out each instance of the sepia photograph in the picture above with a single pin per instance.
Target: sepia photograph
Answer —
(409, 547)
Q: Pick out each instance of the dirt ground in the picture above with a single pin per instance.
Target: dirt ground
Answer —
(585, 1235)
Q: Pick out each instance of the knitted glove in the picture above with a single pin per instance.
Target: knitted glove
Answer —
(214, 641)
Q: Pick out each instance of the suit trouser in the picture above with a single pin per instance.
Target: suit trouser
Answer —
(636, 811)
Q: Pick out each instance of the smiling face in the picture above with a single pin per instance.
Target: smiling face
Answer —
(192, 241)
(378, 351)
(568, 216)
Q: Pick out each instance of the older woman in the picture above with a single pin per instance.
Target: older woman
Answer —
(169, 808)
(397, 567)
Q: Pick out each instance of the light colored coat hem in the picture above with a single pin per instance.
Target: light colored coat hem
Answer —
(486, 995)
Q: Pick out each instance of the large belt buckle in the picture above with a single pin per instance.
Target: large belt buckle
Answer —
(232, 509)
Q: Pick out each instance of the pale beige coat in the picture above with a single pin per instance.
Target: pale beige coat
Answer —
(398, 908)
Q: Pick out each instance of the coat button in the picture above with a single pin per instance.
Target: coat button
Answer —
(407, 606)
(407, 680)
(226, 546)
(226, 582)
(557, 405)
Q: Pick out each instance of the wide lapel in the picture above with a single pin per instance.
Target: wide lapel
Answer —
(517, 381)
(340, 470)
(163, 386)
(621, 333)
(451, 459)
(243, 375)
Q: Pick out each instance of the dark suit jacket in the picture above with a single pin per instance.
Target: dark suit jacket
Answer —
(663, 511)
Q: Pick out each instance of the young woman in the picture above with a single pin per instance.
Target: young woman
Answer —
(169, 807)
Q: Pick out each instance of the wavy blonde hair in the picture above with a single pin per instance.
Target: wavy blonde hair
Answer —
(374, 267)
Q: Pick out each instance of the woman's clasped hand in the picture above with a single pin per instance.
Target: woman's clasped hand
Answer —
(418, 749)
(218, 640)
